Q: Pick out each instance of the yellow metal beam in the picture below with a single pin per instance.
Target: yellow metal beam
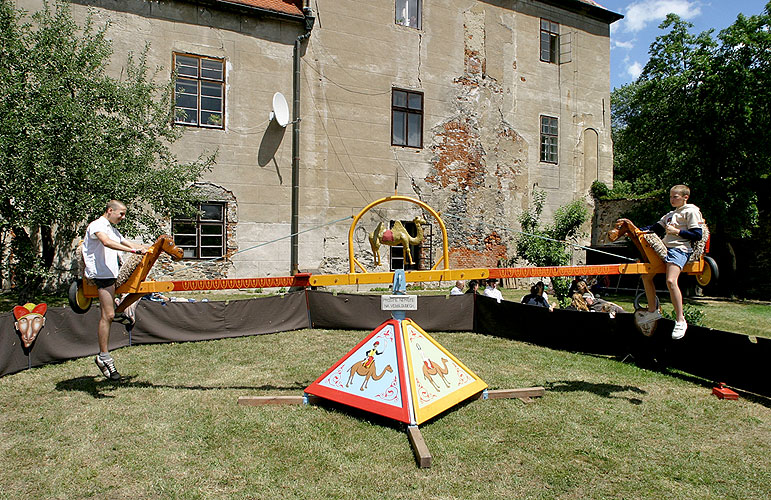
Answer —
(388, 277)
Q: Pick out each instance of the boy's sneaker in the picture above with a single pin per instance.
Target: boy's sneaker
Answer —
(679, 331)
(648, 317)
(108, 367)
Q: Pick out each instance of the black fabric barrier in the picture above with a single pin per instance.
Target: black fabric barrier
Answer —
(66, 335)
(184, 322)
(714, 355)
(436, 313)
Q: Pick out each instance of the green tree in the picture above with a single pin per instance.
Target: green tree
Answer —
(549, 245)
(72, 138)
(699, 115)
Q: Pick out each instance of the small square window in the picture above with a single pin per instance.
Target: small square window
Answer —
(199, 92)
(202, 237)
(408, 13)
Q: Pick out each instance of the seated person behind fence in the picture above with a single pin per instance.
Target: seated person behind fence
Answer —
(595, 303)
(544, 293)
(577, 303)
(491, 290)
(574, 285)
(156, 297)
(473, 287)
(458, 288)
(535, 298)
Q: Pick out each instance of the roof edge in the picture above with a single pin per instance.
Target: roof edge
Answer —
(243, 8)
(585, 7)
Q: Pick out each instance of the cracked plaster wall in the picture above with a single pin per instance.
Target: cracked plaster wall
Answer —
(478, 159)
(476, 64)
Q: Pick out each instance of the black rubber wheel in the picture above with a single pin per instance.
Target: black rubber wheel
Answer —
(710, 273)
(78, 302)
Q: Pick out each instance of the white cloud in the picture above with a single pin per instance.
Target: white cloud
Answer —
(634, 70)
(623, 45)
(640, 14)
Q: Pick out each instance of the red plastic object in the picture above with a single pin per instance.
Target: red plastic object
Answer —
(724, 392)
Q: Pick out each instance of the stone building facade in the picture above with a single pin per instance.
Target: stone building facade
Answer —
(467, 105)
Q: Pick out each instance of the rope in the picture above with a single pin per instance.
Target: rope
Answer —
(564, 242)
(206, 262)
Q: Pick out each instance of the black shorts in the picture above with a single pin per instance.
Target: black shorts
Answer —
(104, 282)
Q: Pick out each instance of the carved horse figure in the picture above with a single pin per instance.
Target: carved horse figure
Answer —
(136, 268)
(395, 236)
(435, 369)
(650, 245)
(130, 276)
(367, 372)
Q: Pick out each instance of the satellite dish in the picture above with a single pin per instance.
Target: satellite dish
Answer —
(280, 111)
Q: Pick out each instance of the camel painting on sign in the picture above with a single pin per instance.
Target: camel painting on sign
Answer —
(396, 236)
(370, 371)
(366, 368)
(420, 380)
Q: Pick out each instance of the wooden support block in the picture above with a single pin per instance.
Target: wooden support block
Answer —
(422, 455)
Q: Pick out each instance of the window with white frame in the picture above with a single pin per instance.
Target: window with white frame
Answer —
(199, 91)
(408, 13)
(203, 236)
(549, 136)
(407, 118)
(550, 41)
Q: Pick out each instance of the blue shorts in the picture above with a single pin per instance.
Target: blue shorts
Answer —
(677, 257)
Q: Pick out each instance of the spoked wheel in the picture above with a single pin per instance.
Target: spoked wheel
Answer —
(709, 274)
(78, 302)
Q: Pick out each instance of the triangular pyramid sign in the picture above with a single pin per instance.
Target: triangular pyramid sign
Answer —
(398, 371)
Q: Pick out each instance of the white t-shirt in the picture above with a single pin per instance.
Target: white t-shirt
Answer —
(456, 291)
(101, 262)
(686, 217)
(493, 293)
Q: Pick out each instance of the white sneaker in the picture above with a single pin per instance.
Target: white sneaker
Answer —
(679, 331)
(648, 317)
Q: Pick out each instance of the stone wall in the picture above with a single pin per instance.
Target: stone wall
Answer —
(476, 64)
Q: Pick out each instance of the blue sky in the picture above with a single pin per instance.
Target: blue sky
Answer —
(631, 37)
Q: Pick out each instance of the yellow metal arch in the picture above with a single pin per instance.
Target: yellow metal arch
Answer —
(445, 252)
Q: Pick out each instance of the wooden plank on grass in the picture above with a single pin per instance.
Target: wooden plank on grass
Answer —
(274, 400)
(524, 394)
(422, 455)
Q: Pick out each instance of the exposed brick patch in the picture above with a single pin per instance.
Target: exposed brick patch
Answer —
(459, 160)
(478, 169)
(475, 63)
(462, 257)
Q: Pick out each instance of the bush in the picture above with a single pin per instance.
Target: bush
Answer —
(693, 315)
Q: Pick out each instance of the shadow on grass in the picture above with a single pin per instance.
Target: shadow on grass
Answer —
(604, 390)
(95, 386)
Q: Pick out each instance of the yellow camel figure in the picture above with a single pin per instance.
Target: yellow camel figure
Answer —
(398, 236)
(367, 372)
(435, 369)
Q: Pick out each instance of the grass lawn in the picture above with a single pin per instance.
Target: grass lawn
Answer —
(173, 429)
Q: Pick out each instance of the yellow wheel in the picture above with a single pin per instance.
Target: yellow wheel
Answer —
(78, 302)
(709, 274)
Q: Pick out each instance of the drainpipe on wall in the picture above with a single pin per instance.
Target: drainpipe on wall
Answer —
(295, 225)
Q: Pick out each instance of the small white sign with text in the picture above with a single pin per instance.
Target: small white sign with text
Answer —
(398, 302)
